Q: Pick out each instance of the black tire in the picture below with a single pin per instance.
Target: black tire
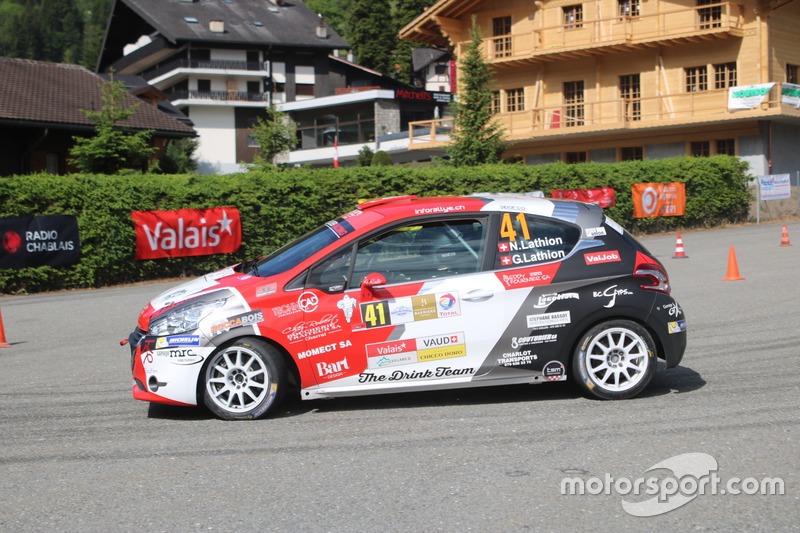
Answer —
(615, 360)
(244, 380)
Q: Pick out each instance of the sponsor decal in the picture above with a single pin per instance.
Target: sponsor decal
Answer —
(672, 309)
(178, 340)
(676, 327)
(595, 232)
(325, 348)
(340, 228)
(245, 319)
(611, 292)
(547, 299)
(186, 232)
(312, 329)
(531, 278)
(308, 302)
(285, 310)
(544, 320)
(440, 209)
(524, 357)
(332, 370)
(400, 375)
(392, 353)
(266, 290)
(595, 258)
(554, 371)
(441, 347)
(347, 304)
(180, 356)
(410, 309)
(516, 342)
(47, 240)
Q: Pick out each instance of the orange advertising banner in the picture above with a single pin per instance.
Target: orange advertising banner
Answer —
(658, 199)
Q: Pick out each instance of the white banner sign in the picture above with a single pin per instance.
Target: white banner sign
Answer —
(775, 187)
(790, 94)
(748, 96)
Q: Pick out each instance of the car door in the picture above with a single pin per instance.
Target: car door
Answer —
(410, 306)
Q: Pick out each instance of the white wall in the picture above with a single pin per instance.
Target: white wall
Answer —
(216, 151)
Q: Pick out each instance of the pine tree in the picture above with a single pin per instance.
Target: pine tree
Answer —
(477, 138)
(371, 34)
(112, 148)
(406, 11)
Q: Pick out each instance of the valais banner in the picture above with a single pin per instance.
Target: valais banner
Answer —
(602, 196)
(185, 232)
(47, 240)
(658, 199)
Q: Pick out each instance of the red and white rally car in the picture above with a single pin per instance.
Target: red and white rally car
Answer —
(405, 294)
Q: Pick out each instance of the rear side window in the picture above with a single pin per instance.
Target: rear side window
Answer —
(530, 240)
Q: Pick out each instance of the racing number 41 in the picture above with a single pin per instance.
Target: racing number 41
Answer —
(375, 314)
(507, 227)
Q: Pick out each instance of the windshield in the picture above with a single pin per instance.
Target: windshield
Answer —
(299, 250)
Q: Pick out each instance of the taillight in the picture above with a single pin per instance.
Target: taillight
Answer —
(657, 279)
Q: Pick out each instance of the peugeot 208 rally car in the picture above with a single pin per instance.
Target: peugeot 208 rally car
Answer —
(406, 294)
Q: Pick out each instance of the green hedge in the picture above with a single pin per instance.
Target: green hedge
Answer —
(278, 206)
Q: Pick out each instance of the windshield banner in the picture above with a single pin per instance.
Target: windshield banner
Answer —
(186, 232)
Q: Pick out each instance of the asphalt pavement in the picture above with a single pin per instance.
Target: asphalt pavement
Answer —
(77, 453)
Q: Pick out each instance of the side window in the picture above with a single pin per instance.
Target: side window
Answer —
(422, 251)
(331, 274)
(528, 239)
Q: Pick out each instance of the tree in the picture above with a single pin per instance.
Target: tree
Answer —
(178, 157)
(405, 12)
(274, 135)
(477, 138)
(365, 156)
(372, 39)
(112, 148)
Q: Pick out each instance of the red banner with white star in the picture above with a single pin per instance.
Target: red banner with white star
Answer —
(187, 232)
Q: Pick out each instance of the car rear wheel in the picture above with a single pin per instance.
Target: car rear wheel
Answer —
(615, 360)
(244, 380)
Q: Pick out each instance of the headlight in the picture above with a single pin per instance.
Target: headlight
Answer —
(185, 318)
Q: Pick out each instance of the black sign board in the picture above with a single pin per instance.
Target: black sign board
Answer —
(49, 240)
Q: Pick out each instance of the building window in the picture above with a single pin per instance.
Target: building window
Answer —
(573, 103)
(696, 79)
(631, 153)
(494, 107)
(725, 75)
(573, 17)
(575, 157)
(440, 69)
(628, 8)
(700, 149)
(630, 92)
(791, 73)
(51, 163)
(501, 35)
(726, 147)
(515, 100)
(204, 86)
(710, 17)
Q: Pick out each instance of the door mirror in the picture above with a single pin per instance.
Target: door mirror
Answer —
(370, 282)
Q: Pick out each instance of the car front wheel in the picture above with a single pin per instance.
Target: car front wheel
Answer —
(244, 380)
(615, 360)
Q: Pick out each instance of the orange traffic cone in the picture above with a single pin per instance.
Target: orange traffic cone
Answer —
(785, 237)
(679, 253)
(3, 343)
(733, 267)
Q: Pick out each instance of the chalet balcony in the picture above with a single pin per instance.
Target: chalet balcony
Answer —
(208, 66)
(613, 116)
(610, 34)
(217, 97)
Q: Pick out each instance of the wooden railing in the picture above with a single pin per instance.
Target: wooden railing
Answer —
(720, 18)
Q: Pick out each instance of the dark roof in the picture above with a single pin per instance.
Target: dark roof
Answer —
(137, 86)
(254, 22)
(53, 94)
(422, 57)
